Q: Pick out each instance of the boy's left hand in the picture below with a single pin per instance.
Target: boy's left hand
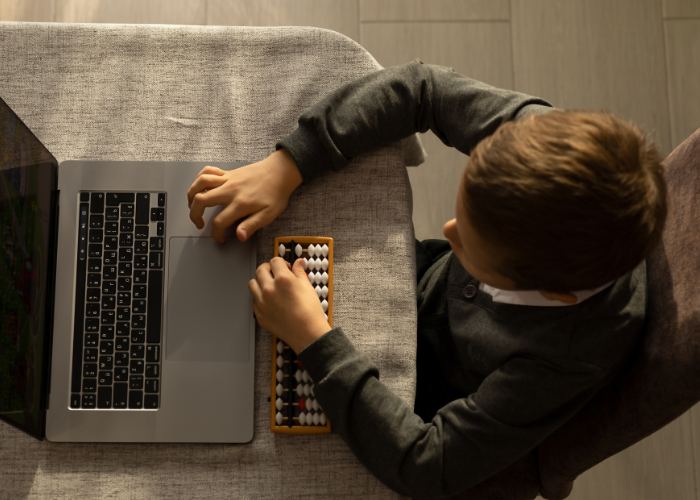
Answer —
(286, 304)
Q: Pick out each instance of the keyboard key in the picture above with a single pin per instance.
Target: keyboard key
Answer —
(97, 221)
(95, 236)
(106, 347)
(89, 385)
(111, 228)
(143, 201)
(152, 370)
(97, 203)
(90, 370)
(156, 244)
(90, 355)
(150, 401)
(138, 336)
(126, 254)
(157, 214)
(160, 229)
(107, 317)
(105, 378)
(121, 361)
(104, 397)
(155, 260)
(108, 301)
(123, 298)
(139, 292)
(153, 353)
(92, 339)
(140, 277)
(141, 232)
(122, 328)
(107, 332)
(128, 211)
(126, 225)
(93, 295)
(155, 301)
(139, 306)
(151, 385)
(94, 280)
(161, 199)
(136, 382)
(112, 213)
(75, 400)
(121, 344)
(114, 199)
(136, 399)
(88, 401)
(120, 395)
(126, 240)
(84, 196)
(107, 363)
(141, 247)
(137, 351)
(95, 251)
(109, 287)
(138, 321)
(121, 374)
(92, 325)
(110, 258)
(136, 367)
(111, 243)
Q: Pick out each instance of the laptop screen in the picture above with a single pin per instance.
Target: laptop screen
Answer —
(27, 190)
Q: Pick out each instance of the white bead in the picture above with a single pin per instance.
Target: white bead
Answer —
(309, 404)
(300, 389)
(311, 276)
(307, 389)
(306, 264)
(280, 346)
(315, 404)
(324, 291)
(326, 316)
(302, 418)
(318, 291)
(324, 250)
(278, 403)
(322, 419)
(324, 304)
(317, 264)
(279, 389)
(297, 375)
(280, 375)
(278, 418)
(324, 264)
(282, 250)
(324, 278)
(316, 418)
(310, 249)
(297, 250)
(280, 361)
(306, 376)
(311, 391)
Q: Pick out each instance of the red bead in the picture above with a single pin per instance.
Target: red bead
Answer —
(302, 404)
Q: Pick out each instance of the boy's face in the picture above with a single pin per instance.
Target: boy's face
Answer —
(476, 255)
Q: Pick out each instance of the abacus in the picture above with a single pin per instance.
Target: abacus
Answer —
(295, 409)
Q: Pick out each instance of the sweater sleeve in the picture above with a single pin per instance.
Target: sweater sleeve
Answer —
(469, 440)
(394, 103)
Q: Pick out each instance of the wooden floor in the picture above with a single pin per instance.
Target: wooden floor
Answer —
(637, 58)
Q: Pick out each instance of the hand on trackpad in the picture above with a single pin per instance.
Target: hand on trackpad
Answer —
(209, 308)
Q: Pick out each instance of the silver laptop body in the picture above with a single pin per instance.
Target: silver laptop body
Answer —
(208, 329)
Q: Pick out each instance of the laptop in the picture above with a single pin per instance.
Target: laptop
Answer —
(120, 321)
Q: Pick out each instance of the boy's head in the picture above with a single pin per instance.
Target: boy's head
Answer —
(559, 202)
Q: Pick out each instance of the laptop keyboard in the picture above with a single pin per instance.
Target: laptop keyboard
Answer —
(118, 301)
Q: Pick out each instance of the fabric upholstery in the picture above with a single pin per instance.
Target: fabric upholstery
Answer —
(219, 94)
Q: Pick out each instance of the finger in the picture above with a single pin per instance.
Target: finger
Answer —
(263, 275)
(203, 200)
(211, 170)
(224, 219)
(255, 291)
(279, 266)
(256, 221)
(204, 182)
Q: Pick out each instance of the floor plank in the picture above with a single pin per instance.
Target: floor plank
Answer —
(683, 65)
(27, 10)
(658, 467)
(433, 10)
(336, 15)
(435, 182)
(595, 54)
(132, 11)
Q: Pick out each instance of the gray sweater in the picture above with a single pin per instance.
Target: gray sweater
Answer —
(501, 377)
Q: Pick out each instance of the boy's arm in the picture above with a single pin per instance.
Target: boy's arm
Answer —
(394, 103)
(469, 440)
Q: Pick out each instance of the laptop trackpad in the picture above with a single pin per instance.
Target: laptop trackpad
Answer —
(209, 308)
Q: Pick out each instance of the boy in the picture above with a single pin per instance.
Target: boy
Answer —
(533, 310)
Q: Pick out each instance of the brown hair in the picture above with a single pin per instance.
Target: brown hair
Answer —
(572, 199)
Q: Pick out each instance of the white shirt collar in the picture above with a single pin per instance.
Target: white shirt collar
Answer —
(535, 298)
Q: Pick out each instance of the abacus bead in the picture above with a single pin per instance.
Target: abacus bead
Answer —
(305, 376)
(319, 278)
(306, 264)
(326, 316)
(311, 276)
(324, 278)
(279, 389)
(280, 346)
(302, 418)
(309, 404)
(315, 418)
(307, 389)
(324, 250)
(302, 404)
(282, 250)
(280, 375)
(297, 375)
(322, 419)
(278, 418)
(311, 391)
(280, 361)
(278, 403)
(300, 389)
(324, 304)
(318, 291)
(324, 291)
(310, 249)
(297, 250)
(324, 264)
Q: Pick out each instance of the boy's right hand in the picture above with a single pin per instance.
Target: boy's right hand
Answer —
(255, 194)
